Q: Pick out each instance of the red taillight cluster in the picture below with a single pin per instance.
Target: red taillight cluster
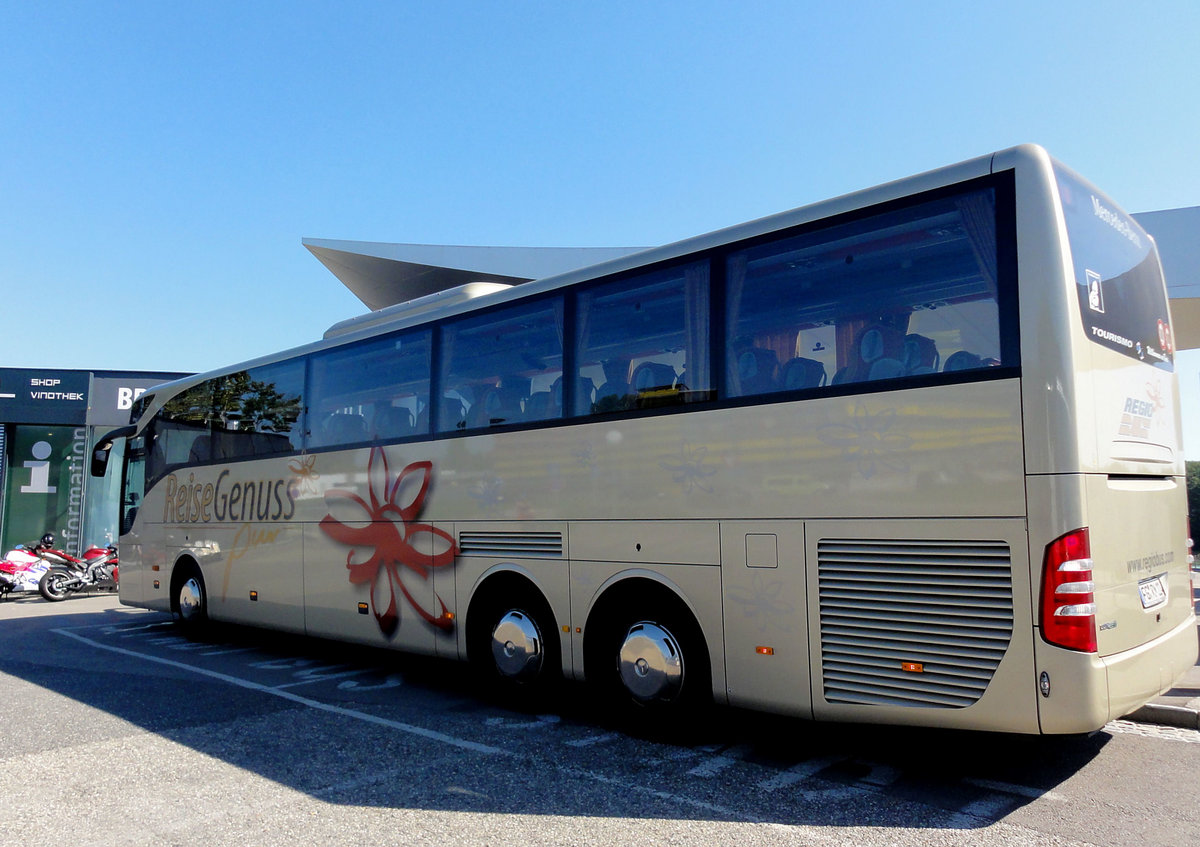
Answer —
(1068, 616)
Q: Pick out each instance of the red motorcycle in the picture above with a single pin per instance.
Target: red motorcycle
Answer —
(67, 574)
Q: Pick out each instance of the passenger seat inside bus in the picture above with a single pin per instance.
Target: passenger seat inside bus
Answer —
(344, 428)
(757, 369)
(498, 406)
(585, 394)
(921, 355)
(541, 405)
(616, 385)
(393, 422)
(800, 373)
(451, 415)
(879, 354)
(962, 361)
(653, 376)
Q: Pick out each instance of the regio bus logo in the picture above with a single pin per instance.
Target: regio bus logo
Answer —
(1136, 418)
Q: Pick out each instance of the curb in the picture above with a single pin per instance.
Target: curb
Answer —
(1178, 716)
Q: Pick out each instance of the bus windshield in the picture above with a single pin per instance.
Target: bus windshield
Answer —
(1122, 298)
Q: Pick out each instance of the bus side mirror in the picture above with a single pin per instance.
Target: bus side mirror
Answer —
(103, 449)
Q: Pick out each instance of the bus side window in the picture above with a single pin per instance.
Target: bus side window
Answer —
(897, 290)
(256, 412)
(183, 420)
(371, 390)
(643, 342)
(493, 364)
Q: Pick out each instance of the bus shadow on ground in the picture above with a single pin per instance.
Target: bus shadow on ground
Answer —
(464, 748)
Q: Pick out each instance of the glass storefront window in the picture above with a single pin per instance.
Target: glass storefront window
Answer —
(43, 491)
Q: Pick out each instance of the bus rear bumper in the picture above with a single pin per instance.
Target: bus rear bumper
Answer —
(1136, 676)
(1085, 691)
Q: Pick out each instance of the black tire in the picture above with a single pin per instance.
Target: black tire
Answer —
(665, 672)
(51, 585)
(512, 640)
(189, 599)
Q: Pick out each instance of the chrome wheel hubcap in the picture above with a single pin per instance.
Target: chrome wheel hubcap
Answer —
(191, 599)
(651, 662)
(517, 646)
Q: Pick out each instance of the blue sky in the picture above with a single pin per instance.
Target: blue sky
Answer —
(160, 162)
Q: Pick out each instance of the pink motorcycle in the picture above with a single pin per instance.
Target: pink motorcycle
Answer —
(21, 570)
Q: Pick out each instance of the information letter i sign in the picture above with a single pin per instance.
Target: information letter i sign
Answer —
(39, 471)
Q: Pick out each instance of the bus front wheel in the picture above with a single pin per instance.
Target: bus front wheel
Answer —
(189, 599)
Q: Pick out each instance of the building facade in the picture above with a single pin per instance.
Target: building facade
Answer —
(49, 420)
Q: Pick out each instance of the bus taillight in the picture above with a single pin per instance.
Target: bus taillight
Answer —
(1191, 559)
(1068, 614)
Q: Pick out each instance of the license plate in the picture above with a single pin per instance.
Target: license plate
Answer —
(1153, 591)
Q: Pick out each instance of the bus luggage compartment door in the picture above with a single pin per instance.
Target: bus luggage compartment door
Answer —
(765, 618)
(922, 622)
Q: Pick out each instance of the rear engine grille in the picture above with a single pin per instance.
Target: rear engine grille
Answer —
(912, 623)
(511, 544)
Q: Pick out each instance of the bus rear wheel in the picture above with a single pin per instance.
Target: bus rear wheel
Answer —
(649, 656)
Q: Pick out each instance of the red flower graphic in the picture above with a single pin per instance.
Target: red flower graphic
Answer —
(389, 529)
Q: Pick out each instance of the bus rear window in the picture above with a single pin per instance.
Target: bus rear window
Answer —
(1122, 299)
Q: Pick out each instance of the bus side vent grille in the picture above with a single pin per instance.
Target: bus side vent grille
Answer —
(920, 623)
(515, 544)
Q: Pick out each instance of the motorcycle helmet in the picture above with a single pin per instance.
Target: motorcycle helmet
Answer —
(48, 539)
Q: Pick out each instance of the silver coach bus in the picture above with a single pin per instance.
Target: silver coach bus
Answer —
(909, 456)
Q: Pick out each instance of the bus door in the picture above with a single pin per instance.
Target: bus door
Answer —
(133, 569)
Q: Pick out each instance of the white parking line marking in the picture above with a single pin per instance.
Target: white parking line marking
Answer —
(712, 767)
(431, 735)
(593, 739)
(229, 650)
(420, 731)
(989, 808)
(1017, 790)
(703, 805)
(542, 722)
(881, 776)
(310, 678)
(1167, 733)
(796, 773)
(391, 681)
(127, 630)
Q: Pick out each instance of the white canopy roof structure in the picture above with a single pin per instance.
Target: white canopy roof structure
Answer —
(1177, 233)
(381, 274)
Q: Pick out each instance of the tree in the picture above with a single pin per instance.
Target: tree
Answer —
(1193, 494)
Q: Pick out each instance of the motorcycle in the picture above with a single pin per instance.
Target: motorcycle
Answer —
(21, 570)
(67, 574)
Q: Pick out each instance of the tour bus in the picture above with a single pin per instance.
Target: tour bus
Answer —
(908, 456)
